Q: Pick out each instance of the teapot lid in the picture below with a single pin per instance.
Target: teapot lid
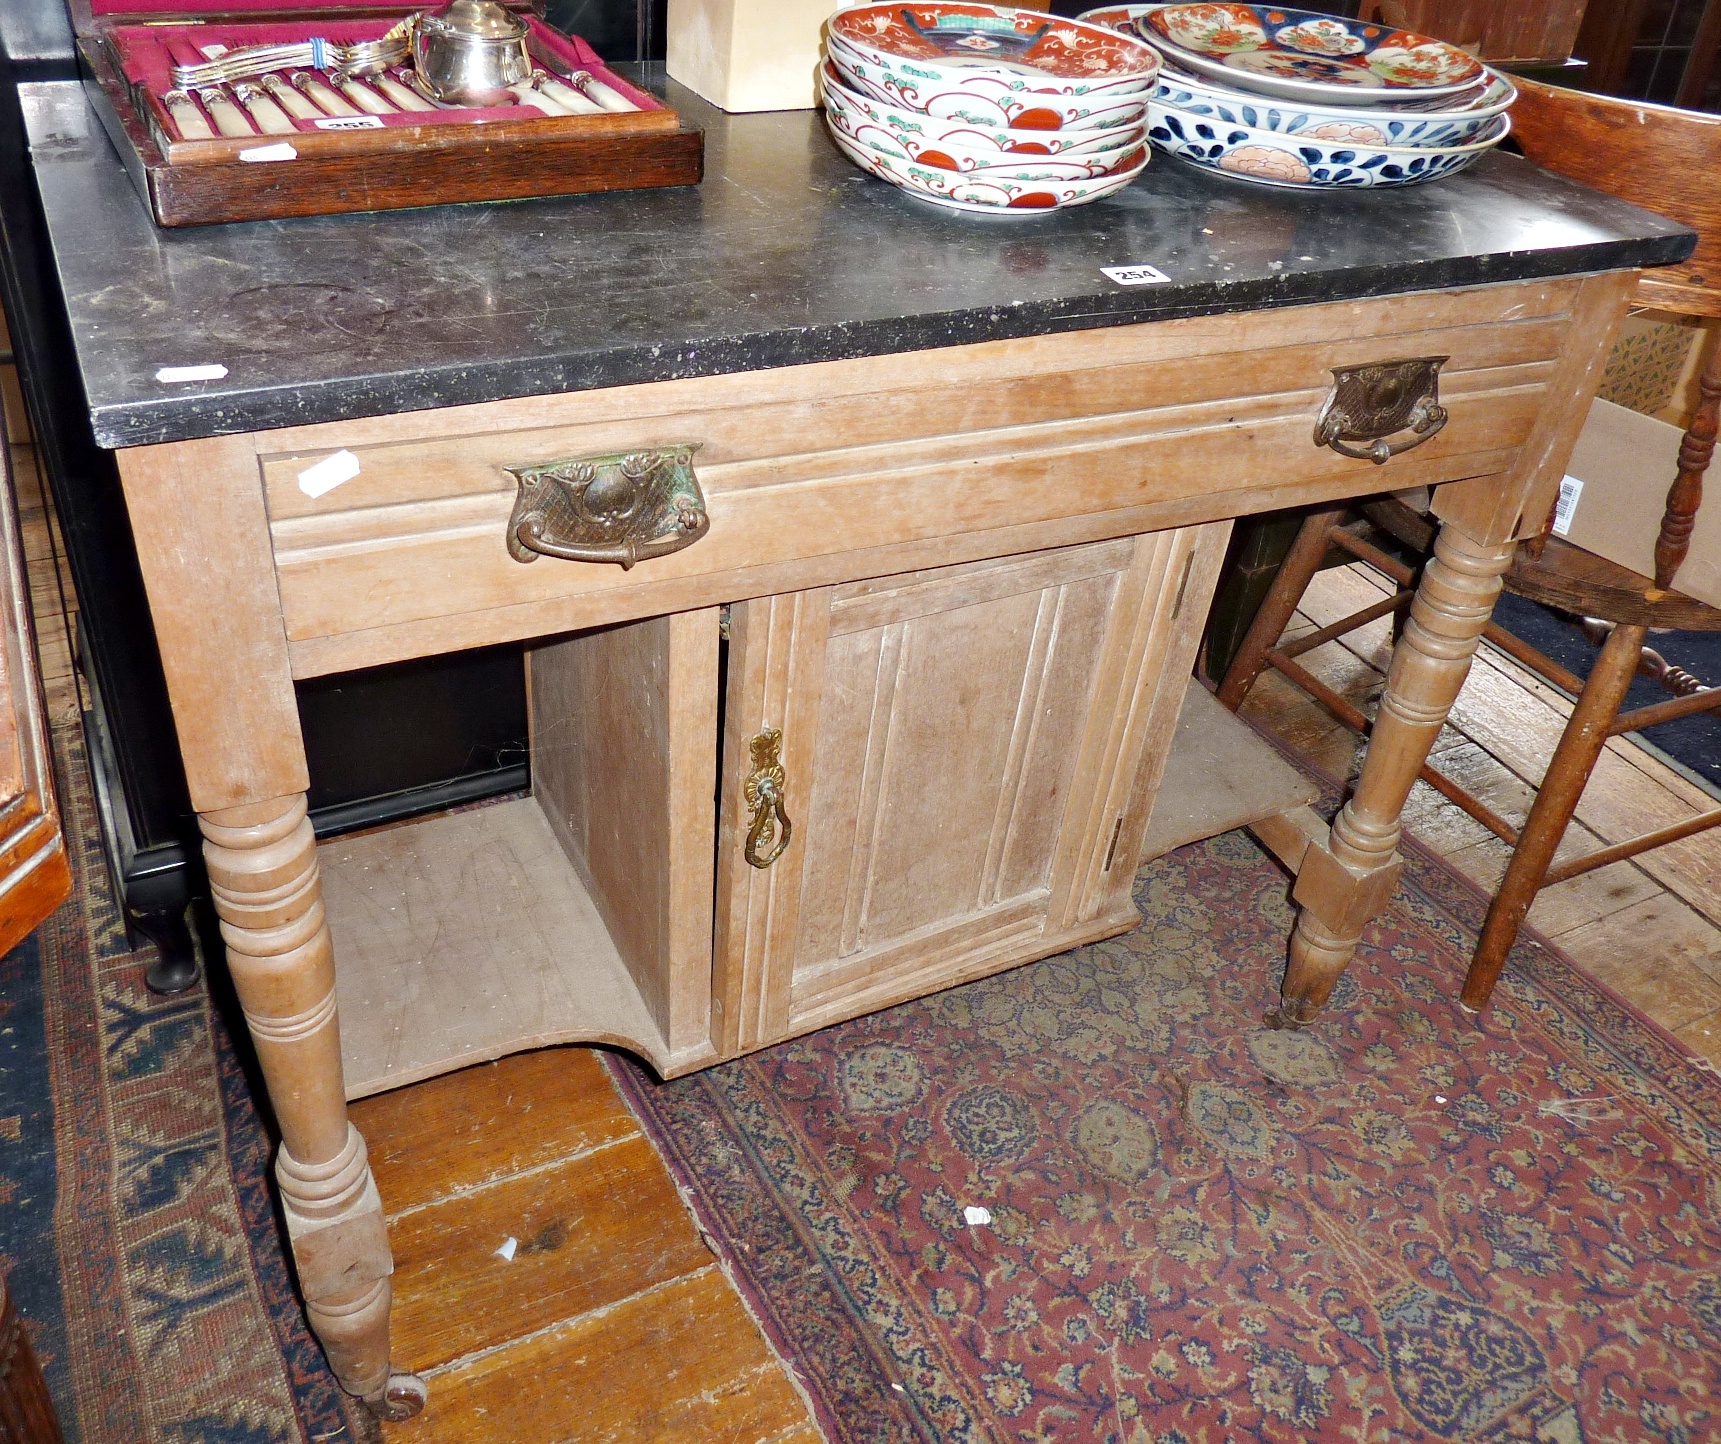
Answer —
(476, 19)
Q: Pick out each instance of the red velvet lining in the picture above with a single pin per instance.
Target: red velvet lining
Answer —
(148, 53)
(188, 7)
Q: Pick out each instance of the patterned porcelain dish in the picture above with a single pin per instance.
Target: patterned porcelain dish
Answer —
(1484, 92)
(989, 100)
(993, 193)
(1418, 128)
(911, 148)
(911, 125)
(1271, 158)
(1303, 56)
(944, 43)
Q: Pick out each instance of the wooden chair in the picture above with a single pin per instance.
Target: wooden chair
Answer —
(1664, 160)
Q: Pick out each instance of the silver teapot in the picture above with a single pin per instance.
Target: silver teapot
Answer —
(469, 52)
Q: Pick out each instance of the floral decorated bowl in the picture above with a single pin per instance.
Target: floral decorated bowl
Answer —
(910, 126)
(1120, 17)
(1303, 56)
(993, 192)
(1273, 158)
(1191, 95)
(942, 44)
(910, 147)
(987, 100)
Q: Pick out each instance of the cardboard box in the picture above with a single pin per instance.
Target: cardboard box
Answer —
(1615, 491)
(744, 55)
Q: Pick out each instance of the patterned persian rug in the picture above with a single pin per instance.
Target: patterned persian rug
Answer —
(136, 1227)
(1402, 1225)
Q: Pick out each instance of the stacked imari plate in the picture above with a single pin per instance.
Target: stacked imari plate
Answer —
(988, 109)
(1294, 98)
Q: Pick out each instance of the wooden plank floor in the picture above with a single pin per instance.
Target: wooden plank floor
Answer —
(612, 1322)
(1650, 927)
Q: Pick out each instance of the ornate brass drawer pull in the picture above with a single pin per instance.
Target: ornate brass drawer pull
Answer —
(1371, 403)
(770, 827)
(621, 508)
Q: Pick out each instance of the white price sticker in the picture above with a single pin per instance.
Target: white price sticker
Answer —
(171, 374)
(1135, 275)
(1567, 506)
(327, 474)
(283, 150)
(349, 122)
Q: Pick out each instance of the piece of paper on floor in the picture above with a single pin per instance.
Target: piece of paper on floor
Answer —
(506, 1252)
(976, 1216)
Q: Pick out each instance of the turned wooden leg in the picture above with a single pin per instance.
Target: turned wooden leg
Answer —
(262, 863)
(1686, 493)
(1289, 583)
(1557, 799)
(1346, 882)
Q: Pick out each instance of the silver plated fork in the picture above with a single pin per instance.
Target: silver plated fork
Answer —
(363, 57)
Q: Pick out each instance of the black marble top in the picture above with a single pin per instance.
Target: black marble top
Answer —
(787, 253)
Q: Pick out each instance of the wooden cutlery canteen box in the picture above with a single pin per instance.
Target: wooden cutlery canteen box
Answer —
(303, 143)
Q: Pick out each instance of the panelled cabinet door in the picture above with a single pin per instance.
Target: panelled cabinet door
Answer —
(967, 758)
(35, 874)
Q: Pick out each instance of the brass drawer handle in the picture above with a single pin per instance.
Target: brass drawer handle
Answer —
(621, 508)
(1370, 403)
(770, 826)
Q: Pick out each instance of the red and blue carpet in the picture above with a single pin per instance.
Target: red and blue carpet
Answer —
(1405, 1224)
(136, 1225)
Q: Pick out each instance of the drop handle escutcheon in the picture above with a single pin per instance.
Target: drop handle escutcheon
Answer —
(622, 507)
(768, 832)
(1374, 403)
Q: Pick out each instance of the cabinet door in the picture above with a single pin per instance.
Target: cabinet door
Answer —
(969, 756)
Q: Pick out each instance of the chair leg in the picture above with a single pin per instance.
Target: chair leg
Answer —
(1295, 573)
(1686, 493)
(1574, 759)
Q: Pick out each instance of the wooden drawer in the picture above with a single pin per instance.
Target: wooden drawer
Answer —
(970, 758)
(828, 473)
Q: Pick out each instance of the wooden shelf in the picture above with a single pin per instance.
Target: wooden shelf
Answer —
(465, 937)
(469, 936)
(1220, 776)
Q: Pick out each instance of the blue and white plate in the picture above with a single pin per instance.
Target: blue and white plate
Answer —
(1419, 129)
(1269, 157)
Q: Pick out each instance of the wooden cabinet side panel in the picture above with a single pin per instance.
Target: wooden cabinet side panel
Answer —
(776, 675)
(1159, 694)
(1163, 604)
(624, 738)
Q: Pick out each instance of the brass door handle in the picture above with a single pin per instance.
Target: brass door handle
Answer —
(623, 507)
(770, 826)
(1371, 403)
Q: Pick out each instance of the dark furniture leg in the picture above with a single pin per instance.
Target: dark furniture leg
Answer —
(26, 1412)
(1298, 570)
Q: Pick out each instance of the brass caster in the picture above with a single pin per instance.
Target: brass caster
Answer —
(403, 1397)
(1284, 1019)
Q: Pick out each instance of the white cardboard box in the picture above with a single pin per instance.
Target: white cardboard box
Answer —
(744, 55)
(1622, 466)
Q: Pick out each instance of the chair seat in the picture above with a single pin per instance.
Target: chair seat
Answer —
(1575, 580)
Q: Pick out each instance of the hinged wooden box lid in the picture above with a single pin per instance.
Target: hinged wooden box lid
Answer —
(308, 141)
